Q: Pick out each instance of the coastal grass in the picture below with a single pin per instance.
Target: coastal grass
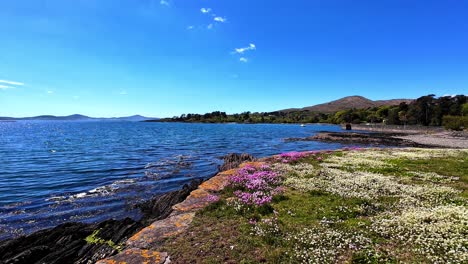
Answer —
(330, 213)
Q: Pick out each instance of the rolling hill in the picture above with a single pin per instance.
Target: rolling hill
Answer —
(349, 102)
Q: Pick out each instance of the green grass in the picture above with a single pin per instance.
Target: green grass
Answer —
(454, 167)
(305, 209)
(220, 234)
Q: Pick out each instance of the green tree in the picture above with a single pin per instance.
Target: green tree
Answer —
(465, 109)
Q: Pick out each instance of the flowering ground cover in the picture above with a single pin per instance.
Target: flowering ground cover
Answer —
(348, 206)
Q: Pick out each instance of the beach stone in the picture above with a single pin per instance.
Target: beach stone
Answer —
(137, 256)
(157, 232)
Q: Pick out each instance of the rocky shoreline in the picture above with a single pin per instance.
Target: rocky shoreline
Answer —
(445, 139)
(145, 246)
(373, 139)
(88, 243)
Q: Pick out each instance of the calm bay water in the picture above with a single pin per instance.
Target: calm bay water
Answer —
(56, 172)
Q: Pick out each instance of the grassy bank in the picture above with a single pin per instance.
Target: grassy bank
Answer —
(351, 206)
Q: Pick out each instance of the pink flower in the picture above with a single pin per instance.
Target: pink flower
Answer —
(252, 221)
(256, 186)
(212, 198)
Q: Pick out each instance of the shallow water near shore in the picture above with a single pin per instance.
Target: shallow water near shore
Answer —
(56, 172)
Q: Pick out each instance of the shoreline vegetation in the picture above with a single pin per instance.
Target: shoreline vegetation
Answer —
(404, 205)
(448, 111)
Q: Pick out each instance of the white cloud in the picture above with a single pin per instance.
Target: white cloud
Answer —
(205, 10)
(164, 2)
(220, 19)
(190, 27)
(210, 26)
(242, 50)
(50, 92)
(12, 82)
(243, 59)
(123, 92)
(4, 87)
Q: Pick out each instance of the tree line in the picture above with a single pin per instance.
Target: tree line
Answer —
(426, 111)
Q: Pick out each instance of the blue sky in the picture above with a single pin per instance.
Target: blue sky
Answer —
(165, 58)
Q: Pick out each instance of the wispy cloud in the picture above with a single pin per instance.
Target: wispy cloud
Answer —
(210, 26)
(220, 19)
(4, 87)
(205, 10)
(190, 27)
(243, 59)
(11, 82)
(242, 50)
(123, 92)
(164, 3)
(50, 92)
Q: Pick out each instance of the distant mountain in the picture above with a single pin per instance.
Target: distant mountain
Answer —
(135, 118)
(349, 102)
(76, 117)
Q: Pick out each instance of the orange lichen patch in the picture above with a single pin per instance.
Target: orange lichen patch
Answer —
(137, 256)
(196, 200)
(256, 164)
(154, 234)
(215, 184)
(228, 172)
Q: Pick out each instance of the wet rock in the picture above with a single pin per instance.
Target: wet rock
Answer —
(160, 207)
(66, 243)
(233, 160)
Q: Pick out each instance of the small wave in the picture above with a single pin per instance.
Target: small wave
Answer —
(166, 168)
(55, 198)
(100, 191)
(128, 181)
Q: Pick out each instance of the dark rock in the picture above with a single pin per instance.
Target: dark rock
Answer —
(160, 207)
(66, 243)
(233, 160)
